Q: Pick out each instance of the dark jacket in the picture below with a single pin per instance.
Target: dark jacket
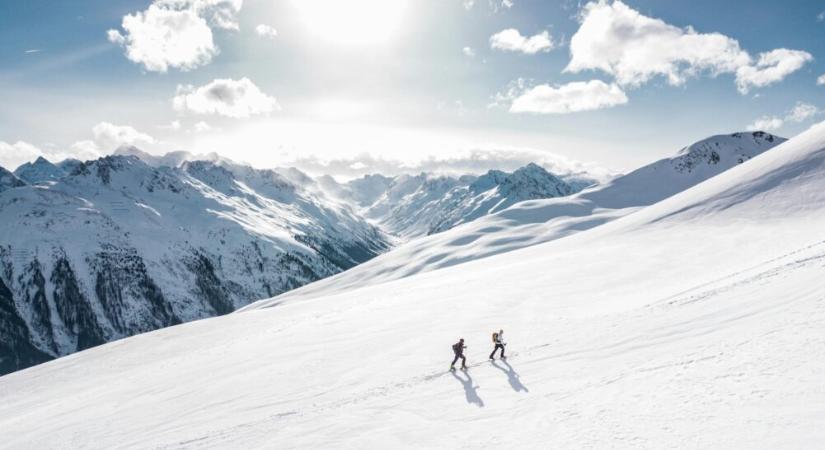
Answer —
(458, 348)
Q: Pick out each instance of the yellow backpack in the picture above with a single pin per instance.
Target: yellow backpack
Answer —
(495, 336)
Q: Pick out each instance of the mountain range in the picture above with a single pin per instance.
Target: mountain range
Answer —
(99, 250)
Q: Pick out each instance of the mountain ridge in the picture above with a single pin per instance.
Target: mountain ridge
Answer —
(532, 222)
(118, 247)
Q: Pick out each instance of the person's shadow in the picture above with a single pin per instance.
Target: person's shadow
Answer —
(469, 390)
(512, 376)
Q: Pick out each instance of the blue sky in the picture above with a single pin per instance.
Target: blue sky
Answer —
(355, 86)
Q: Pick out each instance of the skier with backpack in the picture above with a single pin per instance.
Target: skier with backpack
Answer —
(498, 342)
(458, 349)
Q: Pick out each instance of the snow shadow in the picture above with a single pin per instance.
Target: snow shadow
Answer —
(469, 390)
(512, 376)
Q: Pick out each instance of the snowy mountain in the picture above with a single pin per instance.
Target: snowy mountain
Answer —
(532, 222)
(409, 205)
(119, 247)
(69, 165)
(694, 320)
(8, 180)
(39, 171)
(415, 205)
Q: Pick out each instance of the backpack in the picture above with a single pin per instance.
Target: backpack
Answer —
(456, 347)
(495, 338)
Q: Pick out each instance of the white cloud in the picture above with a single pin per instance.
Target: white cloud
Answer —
(495, 5)
(468, 52)
(108, 136)
(174, 125)
(498, 5)
(799, 113)
(766, 123)
(85, 147)
(13, 155)
(771, 67)
(820, 17)
(225, 97)
(511, 40)
(105, 138)
(634, 48)
(802, 112)
(202, 127)
(115, 37)
(821, 80)
(567, 98)
(175, 33)
(266, 31)
(20, 152)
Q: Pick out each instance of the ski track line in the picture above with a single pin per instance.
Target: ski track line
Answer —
(749, 269)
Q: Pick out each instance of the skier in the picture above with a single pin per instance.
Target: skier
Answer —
(458, 349)
(498, 341)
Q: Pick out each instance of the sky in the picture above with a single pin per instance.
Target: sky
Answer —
(349, 87)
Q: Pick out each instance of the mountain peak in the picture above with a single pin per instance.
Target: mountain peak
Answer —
(534, 179)
(126, 150)
(39, 171)
(8, 180)
(104, 167)
(727, 149)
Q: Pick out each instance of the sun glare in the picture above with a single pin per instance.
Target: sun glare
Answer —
(353, 22)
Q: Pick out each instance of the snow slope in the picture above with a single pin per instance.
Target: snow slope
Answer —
(535, 221)
(696, 322)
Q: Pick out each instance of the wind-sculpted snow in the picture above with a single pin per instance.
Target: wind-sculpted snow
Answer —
(119, 247)
(535, 221)
(696, 321)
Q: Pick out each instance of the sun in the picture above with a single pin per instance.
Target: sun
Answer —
(353, 22)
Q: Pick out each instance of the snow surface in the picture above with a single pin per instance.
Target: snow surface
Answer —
(695, 322)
